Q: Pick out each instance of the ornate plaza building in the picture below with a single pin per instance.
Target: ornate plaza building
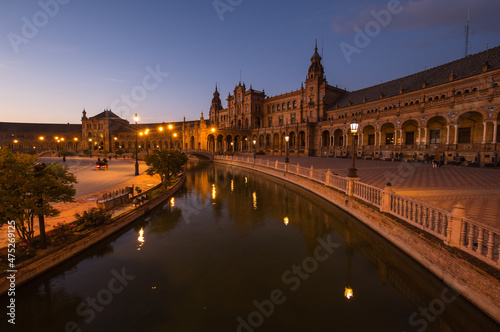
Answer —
(449, 113)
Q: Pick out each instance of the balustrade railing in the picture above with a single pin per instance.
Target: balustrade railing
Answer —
(368, 193)
(480, 241)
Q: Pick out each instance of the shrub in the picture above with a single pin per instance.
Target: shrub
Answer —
(92, 218)
(60, 234)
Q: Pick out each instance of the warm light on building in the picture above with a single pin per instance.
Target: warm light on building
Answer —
(170, 127)
(41, 138)
(254, 199)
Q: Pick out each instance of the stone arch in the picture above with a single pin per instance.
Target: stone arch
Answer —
(388, 133)
(470, 127)
(191, 142)
(276, 141)
(409, 131)
(293, 139)
(368, 137)
(437, 130)
(339, 137)
(237, 143)
(229, 140)
(325, 138)
(302, 139)
(261, 141)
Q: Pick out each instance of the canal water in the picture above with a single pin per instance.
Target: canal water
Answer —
(236, 250)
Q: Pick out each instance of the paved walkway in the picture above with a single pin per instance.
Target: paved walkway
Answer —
(86, 202)
(478, 189)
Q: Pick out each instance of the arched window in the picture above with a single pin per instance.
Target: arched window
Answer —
(294, 104)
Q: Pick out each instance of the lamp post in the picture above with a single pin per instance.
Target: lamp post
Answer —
(353, 171)
(90, 147)
(287, 139)
(136, 119)
(213, 135)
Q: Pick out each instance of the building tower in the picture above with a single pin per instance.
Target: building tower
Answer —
(215, 108)
(314, 89)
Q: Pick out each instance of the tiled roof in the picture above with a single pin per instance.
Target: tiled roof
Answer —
(13, 127)
(462, 68)
(105, 114)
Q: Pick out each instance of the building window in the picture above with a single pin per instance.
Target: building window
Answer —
(435, 136)
(278, 107)
(294, 104)
(292, 118)
(464, 135)
(371, 139)
(270, 122)
(281, 120)
(288, 106)
(274, 110)
(389, 138)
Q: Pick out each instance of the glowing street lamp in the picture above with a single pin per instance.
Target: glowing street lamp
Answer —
(136, 119)
(354, 130)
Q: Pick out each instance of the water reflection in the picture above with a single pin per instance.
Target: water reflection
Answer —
(213, 252)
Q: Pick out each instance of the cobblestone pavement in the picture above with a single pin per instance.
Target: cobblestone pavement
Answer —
(478, 189)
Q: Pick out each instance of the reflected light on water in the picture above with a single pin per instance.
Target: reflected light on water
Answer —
(172, 202)
(246, 180)
(141, 238)
(232, 185)
(286, 220)
(214, 192)
(254, 198)
(348, 293)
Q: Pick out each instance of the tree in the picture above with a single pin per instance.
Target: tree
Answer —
(28, 189)
(165, 163)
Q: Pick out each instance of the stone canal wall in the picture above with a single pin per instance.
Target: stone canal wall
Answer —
(450, 264)
(36, 266)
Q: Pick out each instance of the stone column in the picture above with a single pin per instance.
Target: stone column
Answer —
(386, 198)
(380, 138)
(455, 225)
(495, 125)
(395, 137)
(418, 136)
(426, 130)
(484, 132)
(448, 134)
(456, 135)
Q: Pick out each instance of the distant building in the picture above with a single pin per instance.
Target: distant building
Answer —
(450, 112)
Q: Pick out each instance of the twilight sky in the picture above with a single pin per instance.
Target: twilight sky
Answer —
(162, 59)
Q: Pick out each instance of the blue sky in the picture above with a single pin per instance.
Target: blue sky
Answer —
(93, 54)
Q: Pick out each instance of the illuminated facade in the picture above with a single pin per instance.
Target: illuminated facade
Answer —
(448, 112)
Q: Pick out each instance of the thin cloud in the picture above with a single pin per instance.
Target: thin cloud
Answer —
(111, 79)
(426, 14)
